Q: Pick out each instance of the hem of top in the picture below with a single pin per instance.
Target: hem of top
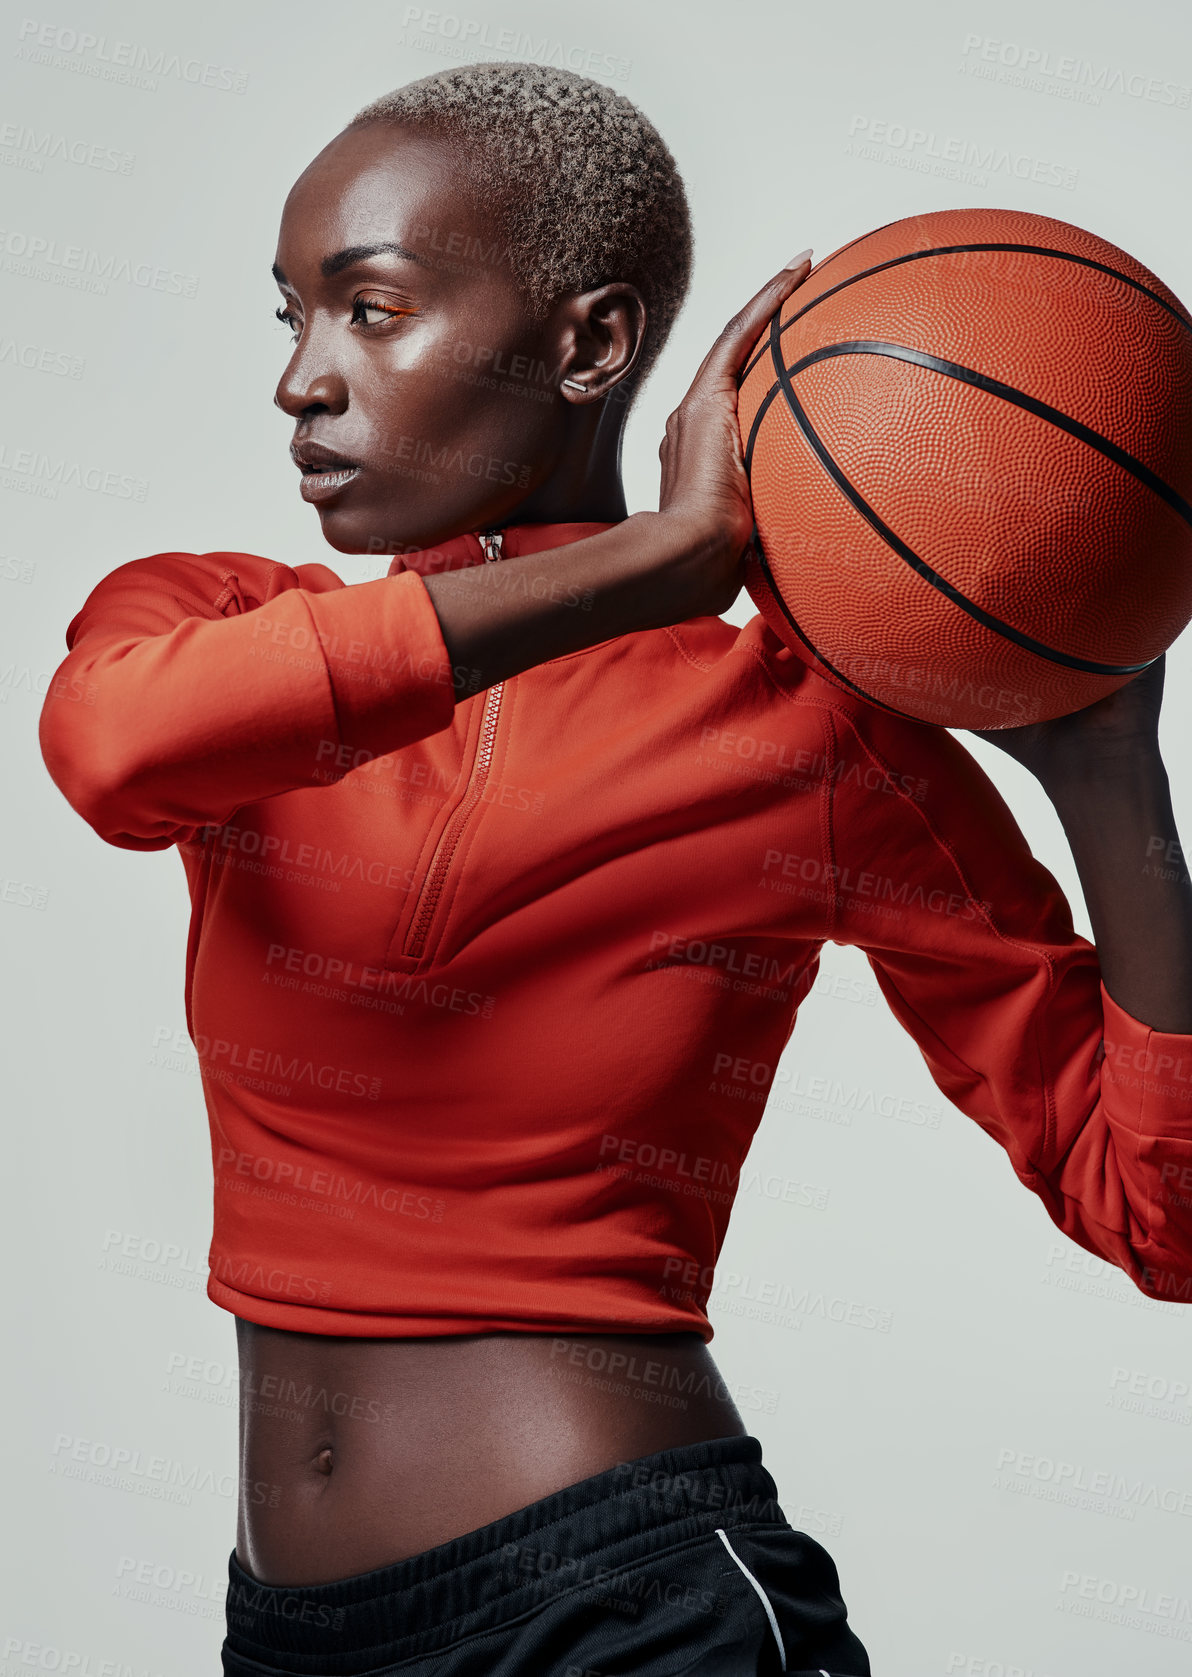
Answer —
(360, 1324)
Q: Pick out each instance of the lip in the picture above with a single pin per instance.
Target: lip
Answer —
(324, 485)
(325, 473)
(308, 454)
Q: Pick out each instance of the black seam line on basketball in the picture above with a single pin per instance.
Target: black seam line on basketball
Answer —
(776, 592)
(768, 576)
(960, 250)
(849, 490)
(763, 409)
(809, 644)
(1008, 393)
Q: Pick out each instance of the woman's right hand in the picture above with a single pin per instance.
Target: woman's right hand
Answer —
(644, 572)
(705, 492)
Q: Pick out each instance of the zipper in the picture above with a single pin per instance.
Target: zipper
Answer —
(492, 544)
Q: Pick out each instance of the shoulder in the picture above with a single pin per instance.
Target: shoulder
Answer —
(910, 779)
(916, 783)
(226, 581)
(707, 642)
(143, 593)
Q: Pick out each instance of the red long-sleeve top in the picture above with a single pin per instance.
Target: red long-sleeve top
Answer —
(452, 964)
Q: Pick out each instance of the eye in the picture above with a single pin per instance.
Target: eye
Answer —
(361, 307)
(369, 305)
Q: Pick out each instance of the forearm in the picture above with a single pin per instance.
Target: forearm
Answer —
(167, 715)
(499, 619)
(1121, 828)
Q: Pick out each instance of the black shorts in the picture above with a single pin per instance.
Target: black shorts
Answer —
(679, 1564)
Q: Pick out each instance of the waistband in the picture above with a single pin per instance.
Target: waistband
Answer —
(499, 1571)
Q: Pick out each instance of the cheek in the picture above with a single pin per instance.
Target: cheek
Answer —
(464, 424)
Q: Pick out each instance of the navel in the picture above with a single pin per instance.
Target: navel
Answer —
(323, 1461)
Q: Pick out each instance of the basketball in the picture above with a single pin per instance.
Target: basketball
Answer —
(969, 443)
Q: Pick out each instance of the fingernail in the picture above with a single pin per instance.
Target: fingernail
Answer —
(802, 257)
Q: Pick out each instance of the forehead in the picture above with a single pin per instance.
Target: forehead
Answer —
(382, 182)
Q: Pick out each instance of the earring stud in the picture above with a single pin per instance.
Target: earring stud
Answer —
(573, 384)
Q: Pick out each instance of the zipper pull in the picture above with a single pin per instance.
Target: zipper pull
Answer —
(492, 544)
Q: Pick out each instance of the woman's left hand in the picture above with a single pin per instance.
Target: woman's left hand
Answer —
(1108, 732)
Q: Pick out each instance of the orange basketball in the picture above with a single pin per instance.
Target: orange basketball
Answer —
(969, 441)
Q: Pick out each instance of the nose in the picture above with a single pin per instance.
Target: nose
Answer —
(309, 382)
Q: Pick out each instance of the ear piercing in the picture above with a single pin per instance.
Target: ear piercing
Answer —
(573, 384)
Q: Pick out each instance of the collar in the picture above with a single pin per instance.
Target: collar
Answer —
(465, 550)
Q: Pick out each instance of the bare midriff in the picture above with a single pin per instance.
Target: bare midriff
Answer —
(357, 1453)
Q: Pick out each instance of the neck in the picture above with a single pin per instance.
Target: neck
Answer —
(586, 487)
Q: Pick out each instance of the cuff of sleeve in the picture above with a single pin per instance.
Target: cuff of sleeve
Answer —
(1152, 1076)
(1155, 1065)
(391, 675)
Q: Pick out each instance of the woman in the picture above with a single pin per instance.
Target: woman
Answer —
(478, 917)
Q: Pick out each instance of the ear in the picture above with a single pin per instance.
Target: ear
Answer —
(598, 340)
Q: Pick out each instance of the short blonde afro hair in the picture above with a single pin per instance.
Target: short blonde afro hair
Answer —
(584, 187)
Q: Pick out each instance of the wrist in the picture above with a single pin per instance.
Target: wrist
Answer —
(1130, 765)
(694, 561)
(696, 538)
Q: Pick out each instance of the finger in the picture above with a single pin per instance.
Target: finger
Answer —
(731, 350)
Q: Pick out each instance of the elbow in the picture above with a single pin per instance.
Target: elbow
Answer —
(1163, 1276)
(78, 764)
(69, 762)
(97, 784)
(121, 825)
(1162, 1267)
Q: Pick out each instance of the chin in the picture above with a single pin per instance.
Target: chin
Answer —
(352, 530)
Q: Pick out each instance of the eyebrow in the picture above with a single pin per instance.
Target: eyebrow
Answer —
(332, 265)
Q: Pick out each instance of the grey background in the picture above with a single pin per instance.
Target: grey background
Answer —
(1002, 1337)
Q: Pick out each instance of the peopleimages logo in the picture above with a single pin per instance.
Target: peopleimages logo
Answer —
(63, 48)
(301, 1177)
(72, 1662)
(1064, 74)
(40, 359)
(928, 152)
(131, 1462)
(218, 1053)
(847, 885)
(48, 473)
(1071, 1480)
(361, 984)
(700, 953)
(467, 38)
(38, 257)
(32, 148)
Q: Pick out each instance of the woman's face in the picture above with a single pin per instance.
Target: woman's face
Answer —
(419, 363)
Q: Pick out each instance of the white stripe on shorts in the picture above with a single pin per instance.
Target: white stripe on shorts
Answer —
(722, 1535)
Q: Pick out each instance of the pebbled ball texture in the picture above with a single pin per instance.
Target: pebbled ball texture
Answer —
(1080, 543)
